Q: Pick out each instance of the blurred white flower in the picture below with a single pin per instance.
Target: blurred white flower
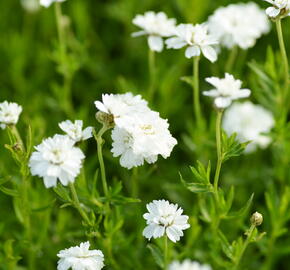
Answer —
(9, 113)
(75, 130)
(47, 3)
(30, 5)
(146, 137)
(238, 25)
(155, 26)
(197, 40)
(56, 158)
(80, 258)
(122, 106)
(164, 218)
(250, 122)
(227, 90)
(188, 265)
(280, 8)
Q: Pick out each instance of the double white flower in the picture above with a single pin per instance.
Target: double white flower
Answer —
(9, 113)
(55, 159)
(227, 90)
(197, 40)
(139, 133)
(165, 218)
(80, 258)
(251, 123)
(155, 26)
(238, 25)
(280, 8)
(188, 265)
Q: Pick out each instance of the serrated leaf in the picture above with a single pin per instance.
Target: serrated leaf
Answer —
(157, 254)
(242, 211)
(198, 187)
(62, 192)
(226, 246)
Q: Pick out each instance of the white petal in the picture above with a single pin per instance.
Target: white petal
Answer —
(155, 43)
(138, 34)
(192, 51)
(100, 106)
(209, 53)
(222, 102)
(175, 43)
(272, 12)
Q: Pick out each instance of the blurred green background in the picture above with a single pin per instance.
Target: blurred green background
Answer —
(106, 59)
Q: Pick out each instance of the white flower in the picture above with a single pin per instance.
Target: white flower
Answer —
(197, 40)
(250, 122)
(30, 5)
(165, 218)
(227, 90)
(56, 158)
(80, 258)
(238, 25)
(188, 265)
(47, 3)
(281, 8)
(155, 26)
(146, 137)
(120, 106)
(9, 113)
(75, 130)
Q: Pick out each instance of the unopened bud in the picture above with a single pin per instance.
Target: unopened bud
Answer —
(256, 219)
(17, 147)
(105, 119)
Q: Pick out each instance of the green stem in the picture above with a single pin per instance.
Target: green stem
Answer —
(16, 134)
(284, 93)
(165, 252)
(100, 143)
(196, 100)
(134, 182)
(77, 204)
(219, 150)
(152, 74)
(244, 247)
(231, 60)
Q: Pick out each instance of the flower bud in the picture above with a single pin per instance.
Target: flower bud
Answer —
(105, 119)
(256, 219)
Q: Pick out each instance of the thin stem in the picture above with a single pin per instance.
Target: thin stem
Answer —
(196, 101)
(100, 143)
(60, 32)
(231, 60)
(77, 204)
(219, 150)
(134, 182)
(244, 247)
(165, 252)
(152, 74)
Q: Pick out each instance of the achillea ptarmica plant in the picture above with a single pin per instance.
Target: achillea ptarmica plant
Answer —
(9, 113)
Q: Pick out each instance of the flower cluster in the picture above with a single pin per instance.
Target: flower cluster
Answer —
(155, 26)
(238, 25)
(47, 3)
(139, 133)
(164, 218)
(197, 40)
(250, 122)
(227, 90)
(56, 158)
(80, 258)
(9, 113)
(279, 9)
(188, 265)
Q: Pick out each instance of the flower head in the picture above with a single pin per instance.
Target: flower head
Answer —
(279, 9)
(80, 258)
(121, 106)
(227, 90)
(30, 5)
(250, 122)
(9, 113)
(238, 25)
(188, 265)
(75, 130)
(56, 158)
(164, 218)
(197, 40)
(47, 3)
(155, 26)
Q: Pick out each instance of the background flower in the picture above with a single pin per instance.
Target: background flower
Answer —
(188, 265)
(47, 3)
(9, 113)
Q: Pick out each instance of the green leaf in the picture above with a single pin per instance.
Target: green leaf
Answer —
(62, 192)
(242, 211)
(198, 187)
(10, 192)
(226, 246)
(157, 254)
(187, 79)
(232, 147)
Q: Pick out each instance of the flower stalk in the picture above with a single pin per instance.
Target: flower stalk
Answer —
(166, 253)
(196, 99)
(152, 74)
